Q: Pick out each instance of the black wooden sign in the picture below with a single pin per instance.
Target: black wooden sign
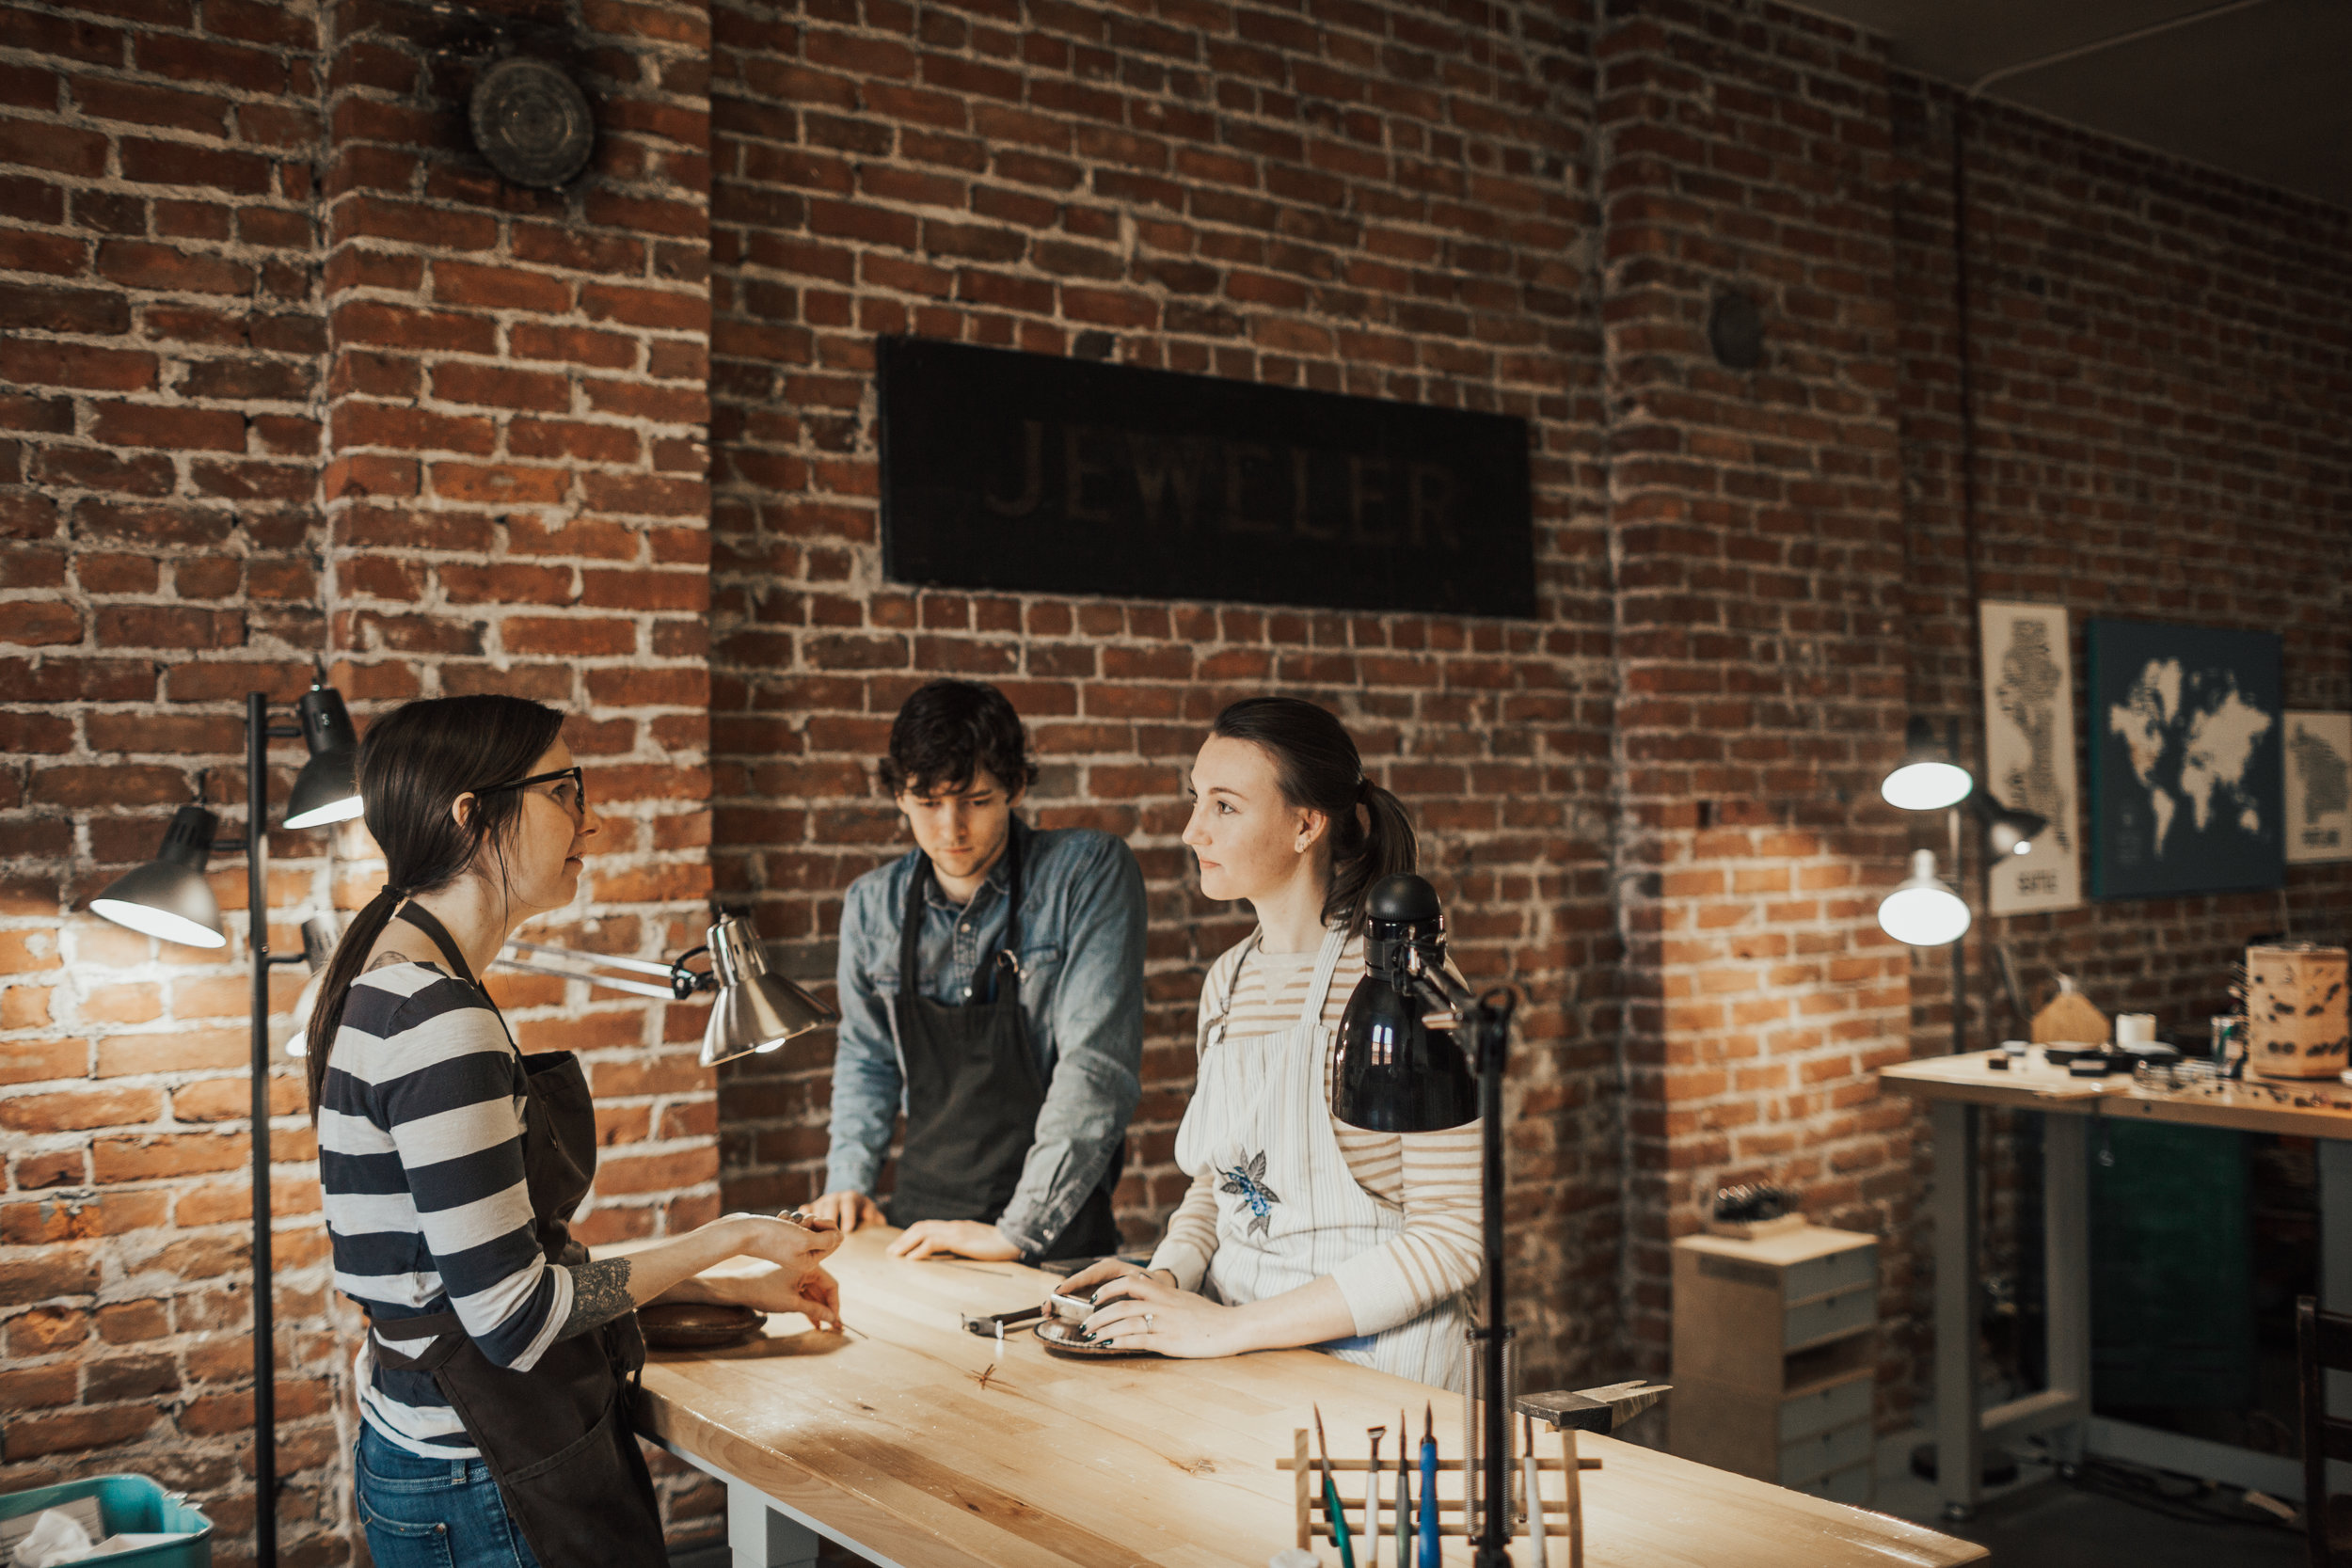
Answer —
(1024, 471)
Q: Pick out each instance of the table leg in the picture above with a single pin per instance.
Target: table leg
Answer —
(760, 1536)
(2335, 1273)
(2066, 1270)
(1957, 1438)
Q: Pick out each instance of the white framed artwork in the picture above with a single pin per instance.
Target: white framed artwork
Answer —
(2029, 752)
(2319, 786)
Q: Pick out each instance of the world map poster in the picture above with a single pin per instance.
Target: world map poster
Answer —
(2187, 746)
(2319, 786)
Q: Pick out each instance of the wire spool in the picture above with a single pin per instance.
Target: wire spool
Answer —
(2296, 1020)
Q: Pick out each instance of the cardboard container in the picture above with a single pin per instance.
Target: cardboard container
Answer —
(2297, 1021)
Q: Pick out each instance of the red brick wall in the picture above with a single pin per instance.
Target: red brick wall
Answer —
(1758, 519)
(1376, 201)
(2160, 364)
(2160, 367)
(159, 346)
(511, 387)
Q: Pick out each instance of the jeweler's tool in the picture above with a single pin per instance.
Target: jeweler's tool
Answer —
(1372, 1493)
(1404, 1495)
(1429, 1488)
(995, 1323)
(1331, 1509)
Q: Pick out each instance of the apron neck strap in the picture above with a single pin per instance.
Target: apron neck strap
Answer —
(430, 924)
(1326, 964)
(911, 928)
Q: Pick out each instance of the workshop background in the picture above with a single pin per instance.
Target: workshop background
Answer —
(291, 374)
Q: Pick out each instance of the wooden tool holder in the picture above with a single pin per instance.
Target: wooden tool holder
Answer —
(1563, 1518)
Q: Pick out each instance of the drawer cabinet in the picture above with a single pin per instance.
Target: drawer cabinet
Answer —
(1805, 1414)
(1774, 1354)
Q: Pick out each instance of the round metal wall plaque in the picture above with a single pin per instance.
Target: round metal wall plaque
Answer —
(1735, 330)
(531, 122)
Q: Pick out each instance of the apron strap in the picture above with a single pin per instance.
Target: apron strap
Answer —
(1233, 989)
(1319, 989)
(426, 921)
(425, 1328)
(983, 974)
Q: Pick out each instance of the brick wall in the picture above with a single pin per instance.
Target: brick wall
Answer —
(160, 350)
(288, 376)
(1376, 200)
(446, 435)
(2159, 364)
(1757, 521)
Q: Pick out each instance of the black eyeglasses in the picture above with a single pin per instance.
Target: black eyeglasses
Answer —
(577, 802)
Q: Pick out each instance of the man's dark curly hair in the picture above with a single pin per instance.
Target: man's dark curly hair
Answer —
(951, 731)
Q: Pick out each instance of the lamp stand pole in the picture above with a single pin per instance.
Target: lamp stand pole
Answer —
(259, 733)
(1490, 1030)
(1960, 945)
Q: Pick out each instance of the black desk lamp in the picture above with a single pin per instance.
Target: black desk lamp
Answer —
(1402, 1069)
(168, 897)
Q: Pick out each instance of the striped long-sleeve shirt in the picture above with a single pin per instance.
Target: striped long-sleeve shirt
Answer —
(1432, 1176)
(421, 1154)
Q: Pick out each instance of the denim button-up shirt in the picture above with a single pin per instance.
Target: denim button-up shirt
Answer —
(1081, 950)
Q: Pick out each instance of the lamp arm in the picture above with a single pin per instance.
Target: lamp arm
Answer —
(572, 964)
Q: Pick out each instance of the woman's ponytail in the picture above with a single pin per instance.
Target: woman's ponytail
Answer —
(414, 763)
(327, 1014)
(1319, 769)
(1387, 846)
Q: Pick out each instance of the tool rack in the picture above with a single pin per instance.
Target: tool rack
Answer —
(1568, 1511)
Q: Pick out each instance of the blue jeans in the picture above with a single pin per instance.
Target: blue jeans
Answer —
(432, 1513)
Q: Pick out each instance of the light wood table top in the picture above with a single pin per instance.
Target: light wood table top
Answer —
(892, 1436)
(2310, 1108)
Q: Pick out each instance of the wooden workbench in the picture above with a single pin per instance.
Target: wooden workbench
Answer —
(1954, 1087)
(890, 1441)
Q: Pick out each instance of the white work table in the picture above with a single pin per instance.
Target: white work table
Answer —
(1954, 1087)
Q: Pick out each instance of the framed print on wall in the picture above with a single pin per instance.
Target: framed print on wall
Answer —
(2319, 786)
(2187, 744)
(2029, 752)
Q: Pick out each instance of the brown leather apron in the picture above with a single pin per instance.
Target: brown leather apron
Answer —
(557, 1438)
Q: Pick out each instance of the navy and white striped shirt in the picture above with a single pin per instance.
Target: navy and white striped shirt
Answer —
(421, 1154)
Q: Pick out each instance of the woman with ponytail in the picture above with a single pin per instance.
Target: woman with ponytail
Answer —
(494, 1422)
(1297, 1231)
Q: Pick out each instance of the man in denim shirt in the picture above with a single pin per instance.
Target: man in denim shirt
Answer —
(1017, 1064)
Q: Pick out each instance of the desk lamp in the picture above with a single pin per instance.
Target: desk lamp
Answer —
(1410, 1041)
(1924, 911)
(754, 1008)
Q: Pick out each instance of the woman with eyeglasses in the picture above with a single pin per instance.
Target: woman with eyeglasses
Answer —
(494, 1428)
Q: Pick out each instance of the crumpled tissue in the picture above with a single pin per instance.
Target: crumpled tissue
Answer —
(59, 1538)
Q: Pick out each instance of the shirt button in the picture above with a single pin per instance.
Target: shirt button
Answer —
(965, 926)
(967, 994)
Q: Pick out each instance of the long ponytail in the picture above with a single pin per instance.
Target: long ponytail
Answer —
(1316, 762)
(414, 763)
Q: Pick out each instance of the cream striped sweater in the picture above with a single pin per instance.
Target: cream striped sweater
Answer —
(1432, 1176)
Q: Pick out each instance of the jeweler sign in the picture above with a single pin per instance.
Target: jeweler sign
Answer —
(1030, 472)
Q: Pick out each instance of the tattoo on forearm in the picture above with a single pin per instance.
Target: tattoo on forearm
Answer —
(599, 1294)
(385, 959)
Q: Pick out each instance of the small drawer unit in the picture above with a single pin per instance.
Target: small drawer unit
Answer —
(1775, 1352)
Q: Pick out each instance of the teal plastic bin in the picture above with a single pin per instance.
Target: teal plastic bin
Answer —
(129, 1504)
